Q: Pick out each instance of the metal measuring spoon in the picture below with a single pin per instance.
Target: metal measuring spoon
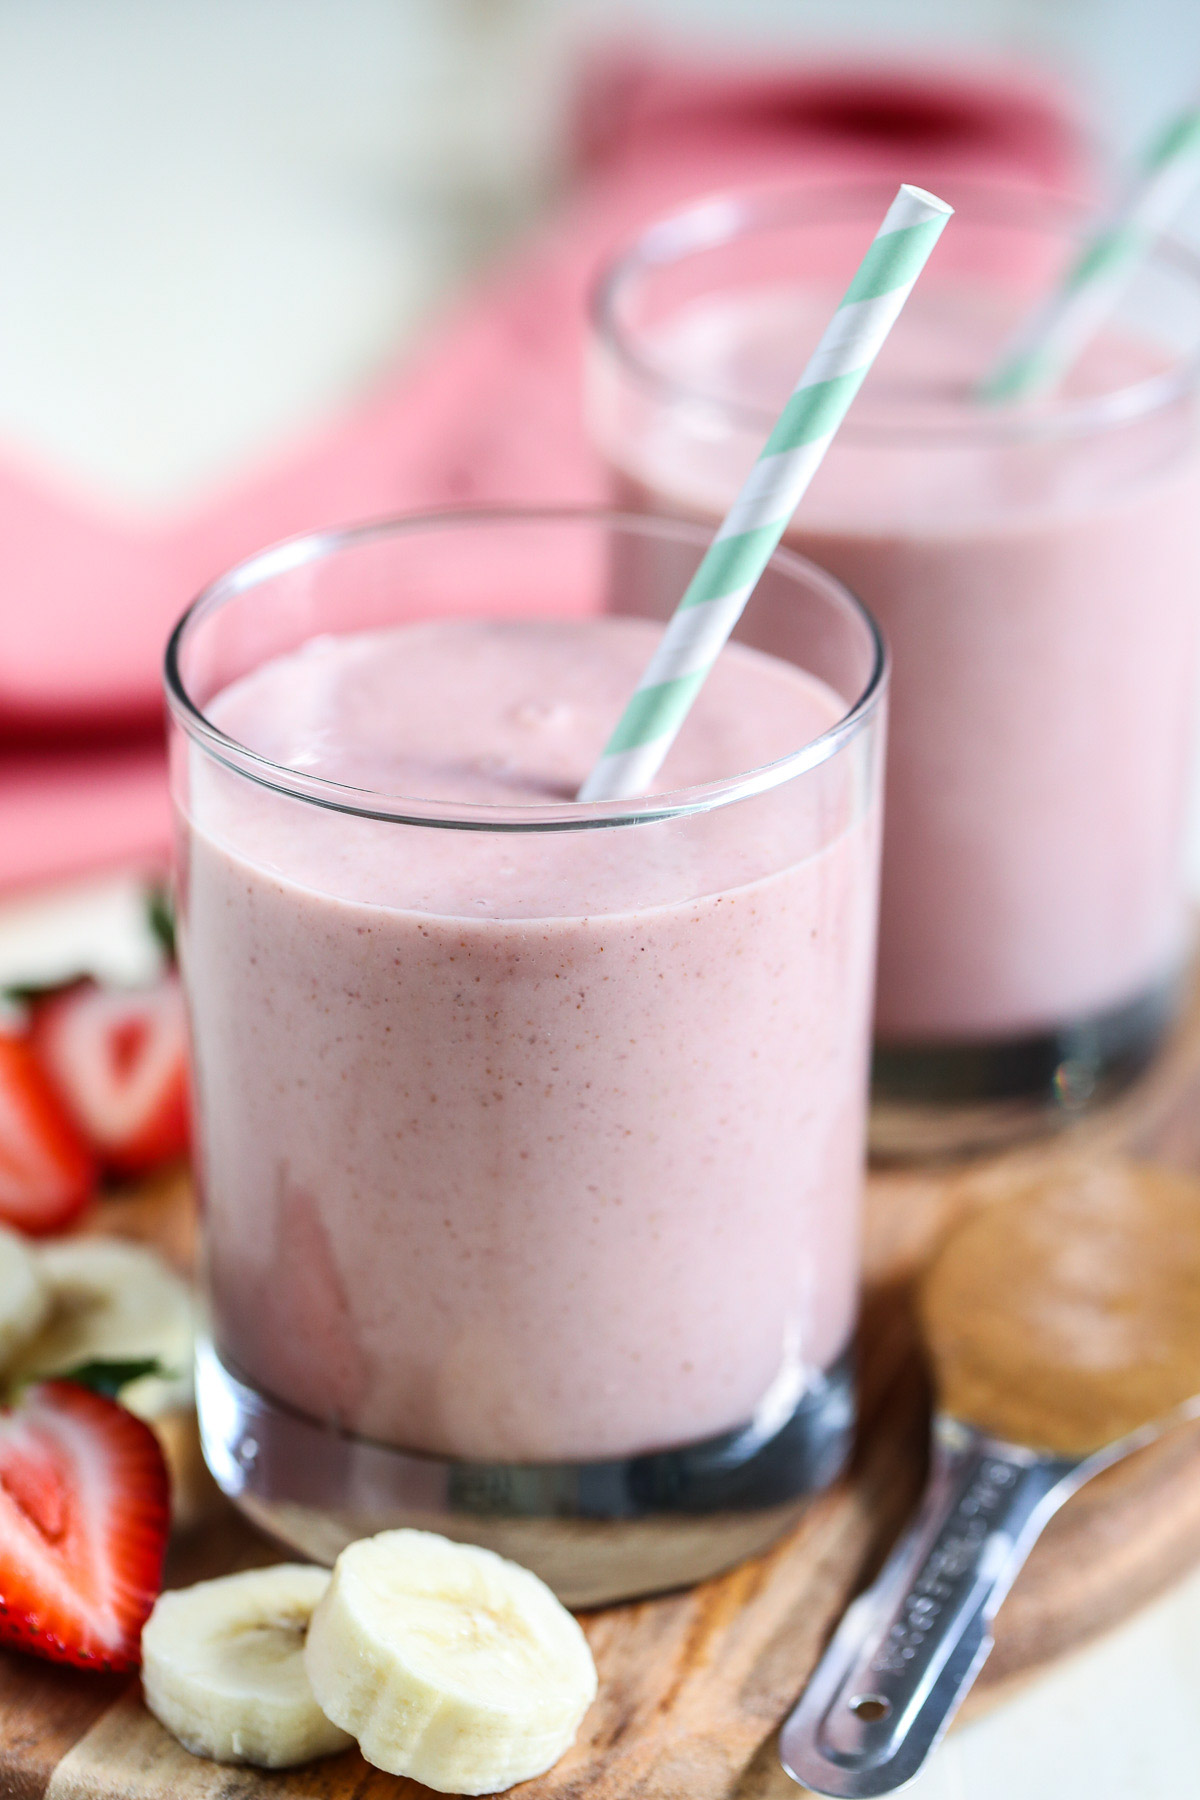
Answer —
(1063, 1326)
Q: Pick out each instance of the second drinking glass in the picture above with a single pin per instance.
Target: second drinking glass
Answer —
(1036, 571)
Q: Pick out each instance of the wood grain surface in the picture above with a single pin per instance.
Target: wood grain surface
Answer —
(694, 1685)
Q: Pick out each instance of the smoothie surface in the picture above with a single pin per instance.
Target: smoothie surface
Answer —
(909, 462)
(504, 714)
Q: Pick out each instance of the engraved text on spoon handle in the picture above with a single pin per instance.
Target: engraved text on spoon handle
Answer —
(909, 1648)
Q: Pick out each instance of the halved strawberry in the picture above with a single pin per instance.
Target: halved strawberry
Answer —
(118, 1058)
(83, 1527)
(46, 1170)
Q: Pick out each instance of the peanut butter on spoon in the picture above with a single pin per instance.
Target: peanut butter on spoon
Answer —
(1063, 1323)
(1069, 1315)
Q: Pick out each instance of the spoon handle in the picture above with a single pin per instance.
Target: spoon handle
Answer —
(908, 1648)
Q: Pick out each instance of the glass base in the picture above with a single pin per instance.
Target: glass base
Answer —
(595, 1531)
(953, 1098)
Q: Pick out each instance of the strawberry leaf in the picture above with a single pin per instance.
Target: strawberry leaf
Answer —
(160, 914)
(108, 1378)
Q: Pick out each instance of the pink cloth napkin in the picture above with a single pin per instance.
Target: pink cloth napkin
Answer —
(488, 410)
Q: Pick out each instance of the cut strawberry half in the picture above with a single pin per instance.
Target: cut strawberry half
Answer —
(83, 1527)
(47, 1172)
(119, 1061)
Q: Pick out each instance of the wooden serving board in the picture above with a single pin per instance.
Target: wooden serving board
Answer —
(693, 1686)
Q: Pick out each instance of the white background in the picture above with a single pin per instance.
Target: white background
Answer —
(218, 218)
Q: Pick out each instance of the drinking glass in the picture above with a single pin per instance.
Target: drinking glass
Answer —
(529, 1137)
(1036, 572)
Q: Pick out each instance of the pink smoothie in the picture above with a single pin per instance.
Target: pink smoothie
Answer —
(1040, 598)
(527, 1146)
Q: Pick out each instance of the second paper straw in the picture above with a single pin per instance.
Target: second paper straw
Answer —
(1057, 332)
(718, 592)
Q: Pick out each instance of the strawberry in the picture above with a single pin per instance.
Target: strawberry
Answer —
(46, 1170)
(118, 1059)
(84, 1511)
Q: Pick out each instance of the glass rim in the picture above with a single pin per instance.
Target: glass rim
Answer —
(726, 214)
(317, 546)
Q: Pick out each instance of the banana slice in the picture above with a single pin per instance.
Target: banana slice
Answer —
(223, 1670)
(448, 1663)
(24, 1297)
(113, 1301)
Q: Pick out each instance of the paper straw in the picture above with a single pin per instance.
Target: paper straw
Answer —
(1051, 339)
(737, 556)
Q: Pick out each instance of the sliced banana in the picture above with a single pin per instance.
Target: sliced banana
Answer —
(448, 1663)
(24, 1296)
(223, 1669)
(114, 1301)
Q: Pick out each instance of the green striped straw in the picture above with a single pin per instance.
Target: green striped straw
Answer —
(737, 556)
(1050, 340)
